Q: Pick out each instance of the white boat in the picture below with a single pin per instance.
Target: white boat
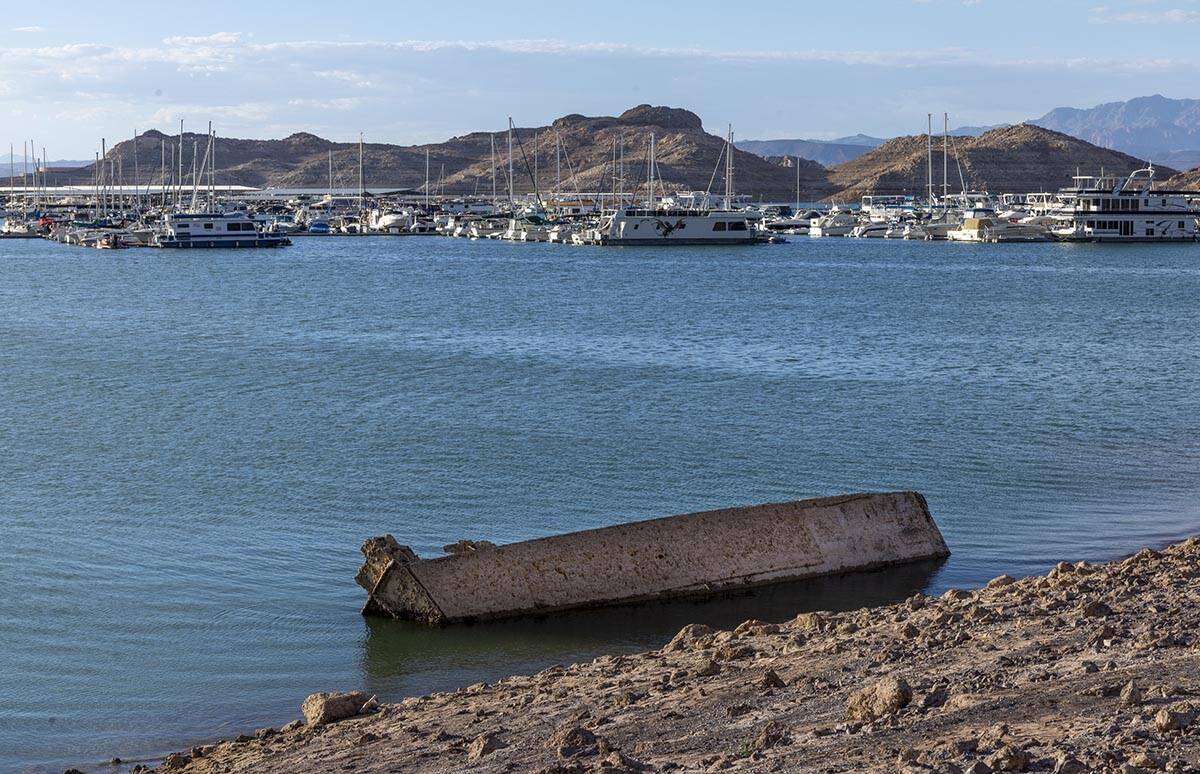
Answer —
(561, 233)
(1113, 208)
(527, 228)
(791, 224)
(870, 230)
(386, 221)
(285, 224)
(934, 228)
(983, 225)
(485, 229)
(661, 226)
(888, 208)
(834, 223)
(194, 230)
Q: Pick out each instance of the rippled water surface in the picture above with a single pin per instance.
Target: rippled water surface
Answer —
(193, 445)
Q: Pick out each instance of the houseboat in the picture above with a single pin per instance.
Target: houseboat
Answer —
(663, 226)
(233, 229)
(1113, 208)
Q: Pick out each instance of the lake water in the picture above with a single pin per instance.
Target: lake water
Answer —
(194, 444)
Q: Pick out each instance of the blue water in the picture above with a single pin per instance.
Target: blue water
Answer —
(193, 445)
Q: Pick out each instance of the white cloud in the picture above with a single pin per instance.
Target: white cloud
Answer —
(1107, 15)
(215, 39)
(423, 90)
(32, 28)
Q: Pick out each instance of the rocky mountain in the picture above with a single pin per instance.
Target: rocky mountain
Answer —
(1185, 181)
(1017, 159)
(686, 158)
(1146, 127)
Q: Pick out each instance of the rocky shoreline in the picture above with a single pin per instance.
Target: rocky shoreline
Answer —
(1089, 668)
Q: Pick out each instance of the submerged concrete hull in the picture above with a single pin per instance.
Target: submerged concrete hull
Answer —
(673, 557)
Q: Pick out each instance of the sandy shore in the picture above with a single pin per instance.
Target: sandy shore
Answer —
(1090, 668)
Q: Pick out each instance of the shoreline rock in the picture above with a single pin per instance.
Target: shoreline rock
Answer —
(1087, 668)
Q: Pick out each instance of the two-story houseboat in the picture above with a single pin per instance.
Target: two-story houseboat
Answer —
(1116, 208)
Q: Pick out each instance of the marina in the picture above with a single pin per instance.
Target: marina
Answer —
(1101, 209)
(192, 210)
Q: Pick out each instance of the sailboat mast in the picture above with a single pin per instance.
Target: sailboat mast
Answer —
(650, 176)
(729, 169)
(621, 168)
(195, 182)
(929, 155)
(331, 177)
(103, 192)
(212, 168)
(179, 180)
(162, 170)
(427, 181)
(493, 139)
(360, 172)
(614, 174)
(137, 181)
(797, 185)
(510, 164)
(945, 171)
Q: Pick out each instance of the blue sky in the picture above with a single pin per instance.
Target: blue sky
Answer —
(418, 72)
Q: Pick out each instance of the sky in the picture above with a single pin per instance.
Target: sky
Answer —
(72, 73)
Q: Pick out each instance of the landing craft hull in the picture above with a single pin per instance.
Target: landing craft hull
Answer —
(695, 554)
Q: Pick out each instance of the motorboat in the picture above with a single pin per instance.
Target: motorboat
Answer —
(836, 222)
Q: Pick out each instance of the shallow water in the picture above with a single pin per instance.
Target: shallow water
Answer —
(193, 445)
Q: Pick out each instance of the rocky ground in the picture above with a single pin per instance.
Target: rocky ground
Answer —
(1090, 668)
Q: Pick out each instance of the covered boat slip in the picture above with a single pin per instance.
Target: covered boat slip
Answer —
(678, 556)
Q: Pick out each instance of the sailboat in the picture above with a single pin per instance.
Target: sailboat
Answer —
(211, 228)
(656, 224)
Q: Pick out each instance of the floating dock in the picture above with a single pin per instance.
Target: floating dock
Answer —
(695, 554)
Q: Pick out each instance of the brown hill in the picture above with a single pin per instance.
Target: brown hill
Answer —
(686, 156)
(1012, 159)
(1185, 181)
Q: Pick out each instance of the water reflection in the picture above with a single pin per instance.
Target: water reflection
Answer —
(402, 658)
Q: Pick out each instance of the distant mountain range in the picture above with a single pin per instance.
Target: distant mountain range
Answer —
(825, 152)
(53, 164)
(1156, 128)
(833, 152)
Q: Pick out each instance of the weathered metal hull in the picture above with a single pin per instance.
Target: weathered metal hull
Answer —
(673, 557)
